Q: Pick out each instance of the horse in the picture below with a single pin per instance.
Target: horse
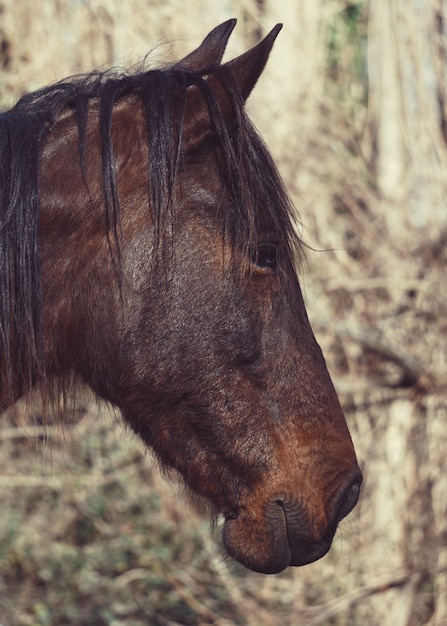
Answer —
(149, 250)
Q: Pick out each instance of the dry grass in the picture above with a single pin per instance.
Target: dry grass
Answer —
(89, 532)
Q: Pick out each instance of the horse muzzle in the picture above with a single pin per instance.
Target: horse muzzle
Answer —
(288, 534)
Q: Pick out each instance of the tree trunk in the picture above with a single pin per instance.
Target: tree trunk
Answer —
(407, 111)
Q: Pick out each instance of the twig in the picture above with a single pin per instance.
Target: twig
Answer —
(374, 339)
(59, 481)
(33, 432)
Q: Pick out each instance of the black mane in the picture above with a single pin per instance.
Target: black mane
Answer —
(251, 176)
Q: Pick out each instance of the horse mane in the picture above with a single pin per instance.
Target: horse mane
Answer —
(249, 172)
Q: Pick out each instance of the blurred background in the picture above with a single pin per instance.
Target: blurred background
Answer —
(353, 106)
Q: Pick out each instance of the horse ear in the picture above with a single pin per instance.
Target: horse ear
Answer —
(210, 51)
(248, 67)
(245, 71)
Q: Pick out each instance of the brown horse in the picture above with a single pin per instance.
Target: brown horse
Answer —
(147, 249)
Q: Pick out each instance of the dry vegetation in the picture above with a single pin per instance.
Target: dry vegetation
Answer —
(353, 105)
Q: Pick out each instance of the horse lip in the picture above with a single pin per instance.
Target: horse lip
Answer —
(289, 547)
(276, 562)
(302, 549)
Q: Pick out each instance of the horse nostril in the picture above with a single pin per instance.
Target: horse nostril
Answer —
(348, 498)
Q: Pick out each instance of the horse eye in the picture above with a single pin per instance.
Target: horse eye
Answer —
(265, 255)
